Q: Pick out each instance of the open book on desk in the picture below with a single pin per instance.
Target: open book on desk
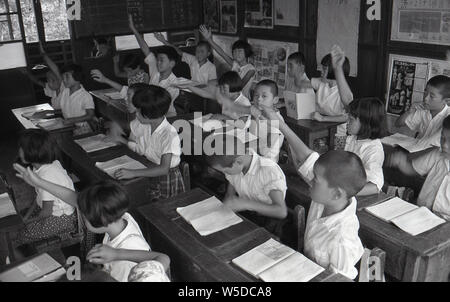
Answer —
(54, 124)
(209, 216)
(6, 206)
(123, 162)
(408, 217)
(408, 143)
(275, 262)
(95, 143)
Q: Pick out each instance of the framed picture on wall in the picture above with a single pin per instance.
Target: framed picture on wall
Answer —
(287, 12)
(421, 21)
(228, 17)
(211, 14)
(258, 14)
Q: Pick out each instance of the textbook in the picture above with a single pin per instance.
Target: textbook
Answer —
(408, 143)
(300, 106)
(275, 262)
(114, 95)
(6, 206)
(42, 268)
(95, 143)
(24, 114)
(408, 217)
(209, 216)
(53, 124)
(123, 162)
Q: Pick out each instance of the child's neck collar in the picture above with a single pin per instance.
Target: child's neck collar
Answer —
(164, 75)
(298, 78)
(75, 87)
(337, 207)
(203, 62)
(248, 159)
(117, 227)
(436, 112)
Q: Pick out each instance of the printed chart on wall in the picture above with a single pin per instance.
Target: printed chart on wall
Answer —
(270, 59)
(259, 13)
(333, 29)
(408, 77)
(228, 17)
(211, 14)
(421, 21)
(225, 42)
(287, 12)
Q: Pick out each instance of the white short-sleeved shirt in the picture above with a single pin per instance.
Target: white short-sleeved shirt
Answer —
(56, 174)
(200, 74)
(130, 238)
(154, 144)
(242, 71)
(435, 193)
(263, 176)
(429, 128)
(262, 129)
(290, 84)
(329, 103)
(54, 95)
(75, 105)
(332, 242)
(241, 100)
(371, 153)
(168, 84)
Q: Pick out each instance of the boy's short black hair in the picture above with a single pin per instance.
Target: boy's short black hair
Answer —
(138, 87)
(233, 80)
(228, 154)
(38, 146)
(241, 44)
(75, 70)
(101, 41)
(170, 52)
(131, 61)
(446, 124)
(442, 83)
(298, 57)
(327, 61)
(344, 170)
(372, 116)
(205, 44)
(152, 101)
(271, 84)
(103, 203)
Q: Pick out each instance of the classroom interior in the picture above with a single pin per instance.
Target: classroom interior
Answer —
(392, 59)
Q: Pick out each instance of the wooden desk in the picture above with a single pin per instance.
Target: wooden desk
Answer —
(203, 259)
(114, 110)
(56, 254)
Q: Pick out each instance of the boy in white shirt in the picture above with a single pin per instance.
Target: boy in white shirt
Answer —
(331, 235)
(296, 71)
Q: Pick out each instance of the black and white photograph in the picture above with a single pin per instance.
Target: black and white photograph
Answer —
(215, 149)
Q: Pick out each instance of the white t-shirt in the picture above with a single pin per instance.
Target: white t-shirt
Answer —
(263, 176)
(290, 84)
(371, 153)
(329, 103)
(242, 71)
(75, 105)
(154, 144)
(130, 238)
(56, 174)
(200, 74)
(54, 95)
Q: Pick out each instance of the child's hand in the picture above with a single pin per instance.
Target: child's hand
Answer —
(235, 204)
(115, 133)
(101, 254)
(42, 114)
(27, 175)
(124, 174)
(98, 76)
(159, 36)
(270, 113)
(256, 112)
(316, 116)
(337, 57)
(206, 33)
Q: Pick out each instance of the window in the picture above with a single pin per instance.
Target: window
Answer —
(29, 21)
(54, 15)
(9, 21)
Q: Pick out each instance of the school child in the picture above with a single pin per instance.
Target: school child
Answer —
(48, 215)
(132, 70)
(104, 209)
(331, 235)
(256, 184)
(155, 138)
(296, 70)
(203, 71)
(242, 51)
(425, 119)
(333, 93)
(160, 67)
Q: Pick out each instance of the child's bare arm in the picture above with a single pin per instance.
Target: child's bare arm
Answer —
(117, 71)
(140, 39)
(338, 59)
(248, 76)
(231, 193)
(276, 210)
(159, 170)
(98, 76)
(206, 33)
(369, 189)
(53, 67)
(401, 121)
(160, 37)
(90, 115)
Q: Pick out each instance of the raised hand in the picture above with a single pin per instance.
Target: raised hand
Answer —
(131, 22)
(98, 76)
(27, 175)
(205, 32)
(337, 57)
(270, 113)
(160, 37)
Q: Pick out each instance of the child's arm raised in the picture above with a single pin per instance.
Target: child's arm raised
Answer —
(52, 65)
(98, 76)
(160, 37)
(140, 38)
(338, 59)
(206, 33)
(276, 210)
(159, 170)
(117, 71)
(248, 76)
(34, 180)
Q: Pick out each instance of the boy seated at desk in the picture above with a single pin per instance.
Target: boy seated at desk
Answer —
(296, 70)
(256, 184)
(331, 235)
(155, 138)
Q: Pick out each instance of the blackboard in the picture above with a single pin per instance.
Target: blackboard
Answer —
(110, 17)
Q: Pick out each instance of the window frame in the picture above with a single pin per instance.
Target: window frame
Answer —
(8, 15)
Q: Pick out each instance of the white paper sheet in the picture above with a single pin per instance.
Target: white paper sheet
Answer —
(95, 143)
(12, 55)
(27, 111)
(418, 221)
(6, 206)
(31, 270)
(123, 162)
(391, 209)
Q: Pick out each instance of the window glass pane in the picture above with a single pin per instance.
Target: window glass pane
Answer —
(9, 28)
(12, 6)
(54, 14)
(29, 20)
(2, 6)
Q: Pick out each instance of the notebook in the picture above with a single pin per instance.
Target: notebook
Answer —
(408, 217)
(275, 262)
(114, 95)
(408, 143)
(95, 143)
(52, 124)
(123, 162)
(6, 206)
(40, 268)
(209, 216)
(300, 106)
